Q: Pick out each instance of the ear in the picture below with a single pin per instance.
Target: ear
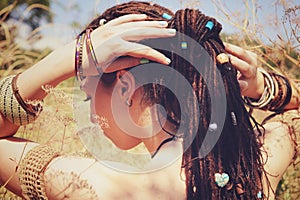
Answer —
(126, 84)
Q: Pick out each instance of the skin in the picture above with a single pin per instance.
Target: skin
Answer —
(58, 66)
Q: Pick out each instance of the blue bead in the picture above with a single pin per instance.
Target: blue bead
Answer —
(167, 16)
(259, 195)
(184, 45)
(209, 25)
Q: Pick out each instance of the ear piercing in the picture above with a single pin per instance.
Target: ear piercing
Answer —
(128, 102)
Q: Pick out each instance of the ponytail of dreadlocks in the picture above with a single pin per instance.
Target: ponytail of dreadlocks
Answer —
(237, 152)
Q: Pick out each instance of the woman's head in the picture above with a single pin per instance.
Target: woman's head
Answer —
(236, 152)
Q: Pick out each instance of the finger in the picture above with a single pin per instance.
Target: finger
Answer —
(138, 24)
(147, 33)
(127, 18)
(123, 62)
(143, 51)
(243, 86)
(239, 52)
(243, 67)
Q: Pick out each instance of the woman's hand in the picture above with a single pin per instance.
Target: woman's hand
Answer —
(251, 81)
(116, 47)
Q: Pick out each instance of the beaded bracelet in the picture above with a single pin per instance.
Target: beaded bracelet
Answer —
(91, 51)
(78, 57)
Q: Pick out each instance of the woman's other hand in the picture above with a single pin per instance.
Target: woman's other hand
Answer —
(251, 81)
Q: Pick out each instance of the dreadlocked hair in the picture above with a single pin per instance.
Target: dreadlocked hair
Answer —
(237, 151)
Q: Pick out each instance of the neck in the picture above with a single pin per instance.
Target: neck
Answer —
(158, 134)
(152, 144)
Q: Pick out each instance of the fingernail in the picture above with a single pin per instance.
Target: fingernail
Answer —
(144, 61)
(142, 15)
(172, 31)
(163, 23)
(168, 60)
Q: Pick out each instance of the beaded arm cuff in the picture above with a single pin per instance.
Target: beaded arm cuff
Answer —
(12, 105)
(32, 170)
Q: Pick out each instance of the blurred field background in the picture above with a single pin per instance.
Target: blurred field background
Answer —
(23, 24)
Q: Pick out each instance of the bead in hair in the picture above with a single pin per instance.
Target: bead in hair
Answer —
(221, 179)
(102, 22)
(210, 25)
(222, 58)
(259, 195)
(184, 45)
(212, 127)
(167, 16)
(233, 118)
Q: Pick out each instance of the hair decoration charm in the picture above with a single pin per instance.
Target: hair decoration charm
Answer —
(212, 127)
(259, 195)
(233, 118)
(221, 179)
(184, 45)
(102, 22)
(222, 58)
(167, 16)
(210, 25)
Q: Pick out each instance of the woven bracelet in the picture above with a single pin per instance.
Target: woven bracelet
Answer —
(32, 168)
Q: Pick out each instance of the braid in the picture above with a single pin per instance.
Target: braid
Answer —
(237, 151)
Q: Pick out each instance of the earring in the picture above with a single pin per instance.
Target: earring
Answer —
(128, 102)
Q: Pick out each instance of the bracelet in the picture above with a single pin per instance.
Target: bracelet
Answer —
(278, 100)
(32, 168)
(269, 100)
(78, 57)
(268, 94)
(13, 107)
(288, 93)
(91, 51)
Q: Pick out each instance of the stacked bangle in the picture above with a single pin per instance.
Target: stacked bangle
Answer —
(91, 51)
(13, 107)
(78, 57)
(277, 93)
(85, 37)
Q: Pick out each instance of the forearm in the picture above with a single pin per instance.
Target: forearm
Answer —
(52, 70)
(12, 151)
(60, 179)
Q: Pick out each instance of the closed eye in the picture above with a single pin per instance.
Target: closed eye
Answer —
(87, 98)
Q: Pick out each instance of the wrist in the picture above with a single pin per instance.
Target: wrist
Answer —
(260, 85)
(52, 70)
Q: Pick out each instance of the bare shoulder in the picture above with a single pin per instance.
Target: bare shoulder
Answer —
(77, 177)
(279, 144)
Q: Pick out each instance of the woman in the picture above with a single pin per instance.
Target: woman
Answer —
(222, 155)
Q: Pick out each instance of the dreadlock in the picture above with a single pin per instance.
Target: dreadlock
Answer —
(237, 152)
